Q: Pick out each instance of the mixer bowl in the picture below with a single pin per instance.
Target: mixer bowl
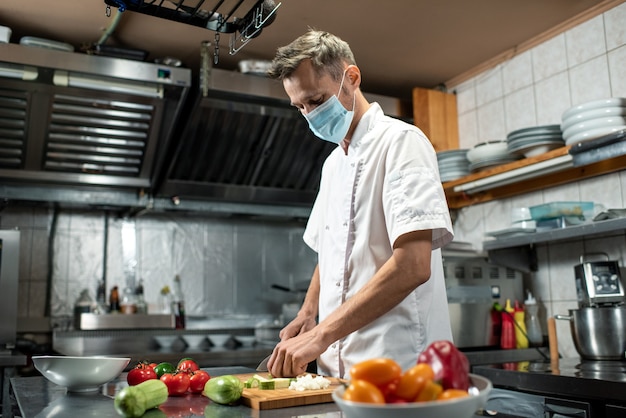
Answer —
(598, 333)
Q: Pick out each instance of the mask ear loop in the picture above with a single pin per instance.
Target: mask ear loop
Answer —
(343, 77)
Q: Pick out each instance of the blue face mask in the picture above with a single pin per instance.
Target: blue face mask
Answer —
(330, 121)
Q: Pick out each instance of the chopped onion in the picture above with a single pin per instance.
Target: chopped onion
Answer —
(308, 382)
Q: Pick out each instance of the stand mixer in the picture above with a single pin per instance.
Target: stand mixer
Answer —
(598, 283)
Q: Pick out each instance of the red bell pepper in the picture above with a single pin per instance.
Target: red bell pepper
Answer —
(451, 366)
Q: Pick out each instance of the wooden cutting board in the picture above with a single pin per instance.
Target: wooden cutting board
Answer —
(284, 398)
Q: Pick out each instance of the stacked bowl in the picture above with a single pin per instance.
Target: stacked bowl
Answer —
(534, 141)
(594, 119)
(453, 164)
(489, 154)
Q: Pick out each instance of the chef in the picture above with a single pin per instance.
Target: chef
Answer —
(378, 223)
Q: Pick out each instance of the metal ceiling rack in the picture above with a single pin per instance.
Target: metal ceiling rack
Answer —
(242, 19)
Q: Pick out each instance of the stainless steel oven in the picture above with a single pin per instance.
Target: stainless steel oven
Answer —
(9, 275)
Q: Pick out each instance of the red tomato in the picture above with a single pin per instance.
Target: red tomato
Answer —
(197, 380)
(153, 365)
(389, 390)
(177, 383)
(140, 373)
(187, 365)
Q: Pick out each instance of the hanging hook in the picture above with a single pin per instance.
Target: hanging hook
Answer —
(216, 51)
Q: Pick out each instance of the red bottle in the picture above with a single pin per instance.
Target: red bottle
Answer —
(507, 338)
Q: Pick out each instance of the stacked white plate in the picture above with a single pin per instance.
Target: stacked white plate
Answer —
(453, 164)
(489, 154)
(593, 120)
(536, 140)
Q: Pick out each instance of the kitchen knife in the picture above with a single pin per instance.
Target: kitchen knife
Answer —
(262, 367)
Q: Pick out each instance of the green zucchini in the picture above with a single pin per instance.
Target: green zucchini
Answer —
(265, 383)
(134, 401)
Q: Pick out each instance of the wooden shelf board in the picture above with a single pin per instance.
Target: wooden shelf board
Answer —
(457, 200)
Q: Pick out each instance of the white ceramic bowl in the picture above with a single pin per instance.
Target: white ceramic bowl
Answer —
(80, 374)
(246, 340)
(487, 150)
(165, 341)
(218, 340)
(453, 408)
(193, 341)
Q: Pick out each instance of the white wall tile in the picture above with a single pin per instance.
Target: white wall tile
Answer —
(491, 122)
(569, 192)
(562, 259)
(615, 28)
(553, 98)
(585, 41)
(605, 190)
(611, 246)
(498, 212)
(549, 58)
(489, 86)
(520, 111)
(617, 71)
(590, 81)
(517, 73)
(468, 129)
(465, 97)
(527, 200)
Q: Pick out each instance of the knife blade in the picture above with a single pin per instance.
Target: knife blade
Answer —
(262, 367)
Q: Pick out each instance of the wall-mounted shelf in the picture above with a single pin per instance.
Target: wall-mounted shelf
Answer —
(552, 168)
(518, 251)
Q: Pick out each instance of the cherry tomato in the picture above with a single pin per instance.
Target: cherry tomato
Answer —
(363, 391)
(452, 394)
(379, 371)
(429, 392)
(163, 368)
(177, 383)
(389, 390)
(197, 380)
(153, 365)
(413, 380)
(187, 365)
(140, 373)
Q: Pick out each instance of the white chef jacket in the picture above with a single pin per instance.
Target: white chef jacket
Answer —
(386, 186)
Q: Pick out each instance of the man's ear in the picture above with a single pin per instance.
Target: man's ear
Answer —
(353, 75)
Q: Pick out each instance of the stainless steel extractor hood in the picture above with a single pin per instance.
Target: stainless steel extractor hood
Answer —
(74, 119)
(243, 142)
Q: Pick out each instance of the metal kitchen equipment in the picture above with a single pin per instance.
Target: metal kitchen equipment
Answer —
(243, 21)
(77, 119)
(598, 283)
(599, 333)
(472, 286)
(9, 276)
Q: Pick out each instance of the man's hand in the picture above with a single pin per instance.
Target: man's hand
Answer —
(291, 356)
(298, 326)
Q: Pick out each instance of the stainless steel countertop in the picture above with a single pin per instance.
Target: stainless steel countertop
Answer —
(602, 382)
(39, 398)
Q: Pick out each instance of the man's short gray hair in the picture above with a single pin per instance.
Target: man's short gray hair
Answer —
(327, 52)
